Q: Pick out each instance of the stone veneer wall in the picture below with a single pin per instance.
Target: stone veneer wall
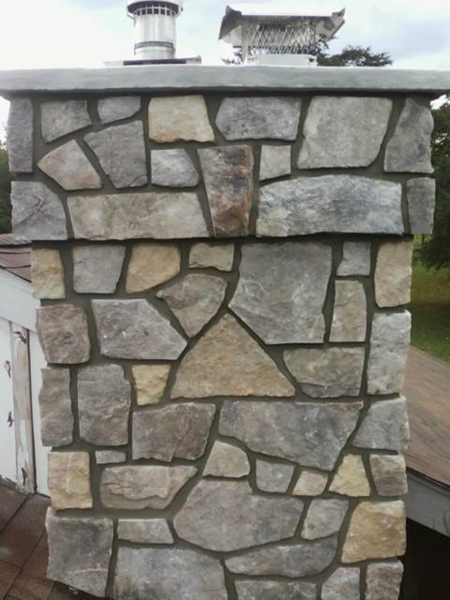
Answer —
(223, 281)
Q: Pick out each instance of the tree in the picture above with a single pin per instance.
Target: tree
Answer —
(436, 250)
(353, 56)
(5, 191)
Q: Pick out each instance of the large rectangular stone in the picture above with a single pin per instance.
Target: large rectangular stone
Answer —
(134, 216)
(330, 204)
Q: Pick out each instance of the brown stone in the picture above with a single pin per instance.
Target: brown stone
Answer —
(228, 362)
(311, 483)
(228, 174)
(151, 265)
(351, 478)
(47, 274)
(393, 274)
(377, 530)
(68, 480)
(139, 487)
(150, 383)
(63, 333)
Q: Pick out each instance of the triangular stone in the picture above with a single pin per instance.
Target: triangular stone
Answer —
(228, 362)
(195, 300)
(70, 167)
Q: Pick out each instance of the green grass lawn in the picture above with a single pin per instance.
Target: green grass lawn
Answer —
(430, 308)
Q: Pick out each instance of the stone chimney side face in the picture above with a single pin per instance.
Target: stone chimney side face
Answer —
(214, 269)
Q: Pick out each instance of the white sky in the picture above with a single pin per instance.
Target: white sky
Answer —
(85, 33)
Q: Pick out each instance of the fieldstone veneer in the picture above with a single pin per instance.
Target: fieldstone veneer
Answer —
(223, 270)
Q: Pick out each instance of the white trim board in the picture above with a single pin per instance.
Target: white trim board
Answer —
(16, 301)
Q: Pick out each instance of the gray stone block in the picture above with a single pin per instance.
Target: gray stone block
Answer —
(343, 585)
(344, 132)
(104, 400)
(20, 135)
(248, 589)
(297, 560)
(275, 162)
(56, 408)
(409, 150)
(84, 562)
(327, 372)
(145, 531)
(273, 477)
(136, 216)
(194, 300)
(172, 432)
(121, 152)
(421, 194)
(355, 259)
(63, 333)
(108, 457)
(118, 108)
(97, 268)
(177, 574)
(140, 487)
(259, 118)
(275, 296)
(324, 518)
(59, 118)
(384, 580)
(226, 460)
(330, 204)
(173, 168)
(313, 434)
(389, 474)
(134, 329)
(37, 212)
(389, 349)
(232, 517)
(385, 427)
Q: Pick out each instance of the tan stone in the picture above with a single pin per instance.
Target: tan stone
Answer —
(216, 256)
(69, 480)
(69, 166)
(350, 313)
(151, 265)
(226, 460)
(311, 483)
(377, 530)
(150, 383)
(47, 274)
(351, 478)
(179, 118)
(393, 274)
(228, 362)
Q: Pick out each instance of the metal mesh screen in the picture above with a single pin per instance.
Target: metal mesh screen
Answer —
(299, 37)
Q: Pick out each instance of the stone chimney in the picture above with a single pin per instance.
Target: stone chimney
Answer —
(224, 258)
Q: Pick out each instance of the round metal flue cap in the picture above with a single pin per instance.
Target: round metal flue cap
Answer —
(174, 5)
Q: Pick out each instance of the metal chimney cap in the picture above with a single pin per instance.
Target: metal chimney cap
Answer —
(134, 5)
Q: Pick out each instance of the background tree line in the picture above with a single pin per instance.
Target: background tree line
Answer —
(436, 250)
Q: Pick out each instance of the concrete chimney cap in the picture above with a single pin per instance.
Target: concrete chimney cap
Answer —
(134, 5)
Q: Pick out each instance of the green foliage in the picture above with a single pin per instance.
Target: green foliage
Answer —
(436, 250)
(353, 56)
(5, 191)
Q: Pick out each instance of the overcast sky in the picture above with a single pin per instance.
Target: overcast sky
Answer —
(85, 33)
